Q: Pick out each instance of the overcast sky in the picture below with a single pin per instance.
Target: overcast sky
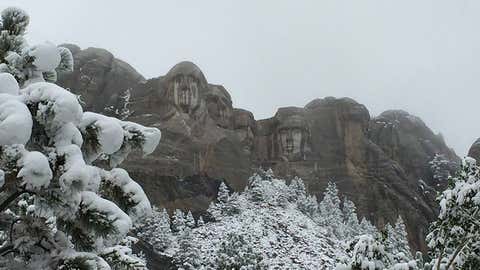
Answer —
(421, 56)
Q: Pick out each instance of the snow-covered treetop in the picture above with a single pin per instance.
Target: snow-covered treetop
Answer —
(14, 21)
(29, 64)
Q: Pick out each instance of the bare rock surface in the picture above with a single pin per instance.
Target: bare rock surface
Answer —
(377, 162)
(474, 151)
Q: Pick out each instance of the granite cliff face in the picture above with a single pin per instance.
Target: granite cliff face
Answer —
(377, 162)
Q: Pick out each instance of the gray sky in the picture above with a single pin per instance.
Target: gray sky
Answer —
(421, 56)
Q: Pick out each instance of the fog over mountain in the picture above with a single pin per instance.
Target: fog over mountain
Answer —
(417, 56)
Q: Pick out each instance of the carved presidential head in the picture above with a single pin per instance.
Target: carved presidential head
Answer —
(219, 105)
(245, 128)
(292, 134)
(185, 84)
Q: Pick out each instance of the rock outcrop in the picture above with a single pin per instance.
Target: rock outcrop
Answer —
(99, 77)
(381, 163)
(474, 151)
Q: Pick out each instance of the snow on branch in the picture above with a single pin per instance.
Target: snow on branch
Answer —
(118, 187)
(115, 138)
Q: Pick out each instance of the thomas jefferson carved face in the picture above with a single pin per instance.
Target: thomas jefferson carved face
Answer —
(220, 107)
(245, 128)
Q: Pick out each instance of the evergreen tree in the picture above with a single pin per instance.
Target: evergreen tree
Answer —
(389, 232)
(29, 64)
(352, 226)
(58, 210)
(223, 193)
(178, 221)
(369, 252)
(200, 222)
(225, 204)
(399, 239)
(255, 190)
(366, 227)
(188, 254)
(308, 205)
(189, 220)
(331, 215)
(454, 239)
(236, 254)
(156, 230)
(269, 175)
(297, 189)
(282, 199)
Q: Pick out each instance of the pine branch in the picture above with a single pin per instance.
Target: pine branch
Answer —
(12, 198)
(457, 251)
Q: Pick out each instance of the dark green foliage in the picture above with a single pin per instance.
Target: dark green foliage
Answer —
(97, 221)
(235, 253)
(90, 139)
(75, 263)
(115, 194)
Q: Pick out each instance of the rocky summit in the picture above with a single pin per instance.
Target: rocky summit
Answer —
(382, 163)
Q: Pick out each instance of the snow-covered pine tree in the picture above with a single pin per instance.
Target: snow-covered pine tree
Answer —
(388, 232)
(236, 253)
(200, 222)
(282, 199)
(156, 229)
(29, 64)
(331, 215)
(269, 175)
(454, 239)
(352, 226)
(223, 193)
(58, 209)
(308, 205)
(188, 251)
(369, 252)
(225, 204)
(398, 239)
(255, 187)
(297, 189)
(189, 220)
(366, 227)
(178, 221)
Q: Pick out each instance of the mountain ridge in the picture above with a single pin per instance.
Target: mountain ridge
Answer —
(378, 162)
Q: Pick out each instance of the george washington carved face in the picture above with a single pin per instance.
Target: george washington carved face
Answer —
(185, 83)
(185, 92)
